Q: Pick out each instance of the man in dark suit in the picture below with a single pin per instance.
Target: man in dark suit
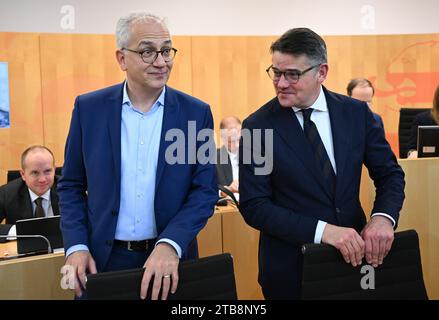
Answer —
(32, 195)
(126, 202)
(427, 118)
(227, 167)
(362, 89)
(320, 142)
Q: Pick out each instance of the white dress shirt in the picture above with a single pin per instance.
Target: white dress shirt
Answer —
(320, 116)
(47, 206)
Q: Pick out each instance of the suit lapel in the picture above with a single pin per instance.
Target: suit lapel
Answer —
(24, 203)
(170, 121)
(341, 139)
(114, 128)
(54, 200)
(286, 124)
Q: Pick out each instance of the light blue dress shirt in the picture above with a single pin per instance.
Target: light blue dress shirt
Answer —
(140, 143)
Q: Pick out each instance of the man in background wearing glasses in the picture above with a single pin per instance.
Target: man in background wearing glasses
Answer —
(123, 205)
(320, 142)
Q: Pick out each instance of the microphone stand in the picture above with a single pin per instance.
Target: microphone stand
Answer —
(24, 236)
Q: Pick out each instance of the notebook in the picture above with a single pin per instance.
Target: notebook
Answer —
(46, 226)
(208, 278)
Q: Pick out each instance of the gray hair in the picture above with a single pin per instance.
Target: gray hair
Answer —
(124, 23)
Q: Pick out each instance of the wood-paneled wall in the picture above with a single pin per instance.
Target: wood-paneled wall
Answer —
(21, 51)
(47, 72)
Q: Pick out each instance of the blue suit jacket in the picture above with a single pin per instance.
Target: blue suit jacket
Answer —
(89, 189)
(287, 204)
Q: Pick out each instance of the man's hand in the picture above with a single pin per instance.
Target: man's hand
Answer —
(413, 155)
(163, 265)
(347, 240)
(81, 261)
(378, 236)
(234, 186)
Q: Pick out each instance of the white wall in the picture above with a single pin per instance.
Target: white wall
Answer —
(226, 17)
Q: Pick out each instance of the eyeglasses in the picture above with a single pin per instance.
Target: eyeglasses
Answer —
(292, 76)
(149, 56)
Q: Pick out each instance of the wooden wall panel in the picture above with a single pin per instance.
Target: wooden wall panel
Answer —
(76, 64)
(181, 75)
(229, 74)
(72, 65)
(21, 51)
(403, 68)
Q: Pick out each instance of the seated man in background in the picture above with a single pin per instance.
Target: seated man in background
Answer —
(32, 195)
(227, 156)
(427, 118)
(362, 89)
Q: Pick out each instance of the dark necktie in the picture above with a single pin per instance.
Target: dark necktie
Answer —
(318, 147)
(39, 210)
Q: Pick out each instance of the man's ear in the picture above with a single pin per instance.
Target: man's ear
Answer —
(120, 57)
(323, 72)
(22, 175)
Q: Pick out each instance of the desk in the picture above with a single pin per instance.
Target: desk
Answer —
(420, 212)
(31, 278)
(226, 231)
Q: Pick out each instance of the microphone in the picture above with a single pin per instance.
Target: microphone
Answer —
(230, 194)
(27, 236)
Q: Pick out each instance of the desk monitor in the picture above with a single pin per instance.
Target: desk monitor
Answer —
(428, 141)
(46, 226)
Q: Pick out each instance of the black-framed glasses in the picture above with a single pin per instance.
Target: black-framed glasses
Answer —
(292, 76)
(149, 56)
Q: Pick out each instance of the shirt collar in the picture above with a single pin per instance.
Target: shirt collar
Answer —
(232, 155)
(319, 104)
(126, 99)
(33, 196)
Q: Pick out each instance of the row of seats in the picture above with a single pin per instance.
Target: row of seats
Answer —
(406, 117)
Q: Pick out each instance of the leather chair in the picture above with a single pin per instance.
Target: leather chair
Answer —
(406, 117)
(327, 276)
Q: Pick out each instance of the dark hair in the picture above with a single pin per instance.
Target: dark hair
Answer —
(32, 148)
(358, 82)
(302, 41)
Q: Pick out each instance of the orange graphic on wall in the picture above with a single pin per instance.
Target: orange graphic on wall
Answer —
(407, 82)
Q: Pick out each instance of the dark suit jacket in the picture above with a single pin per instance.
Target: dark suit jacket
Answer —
(421, 119)
(223, 170)
(16, 204)
(287, 204)
(185, 193)
(378, 118)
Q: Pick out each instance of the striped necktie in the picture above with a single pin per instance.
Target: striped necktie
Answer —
(320, 154)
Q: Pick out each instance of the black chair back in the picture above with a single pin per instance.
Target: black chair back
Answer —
(208, 278)
(406, 117)
(327, 276)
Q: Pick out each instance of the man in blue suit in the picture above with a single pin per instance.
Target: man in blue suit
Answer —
(320, 142)
(124, 201)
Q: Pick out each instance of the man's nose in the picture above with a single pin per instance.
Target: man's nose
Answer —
(283, 83)
(159, 61)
